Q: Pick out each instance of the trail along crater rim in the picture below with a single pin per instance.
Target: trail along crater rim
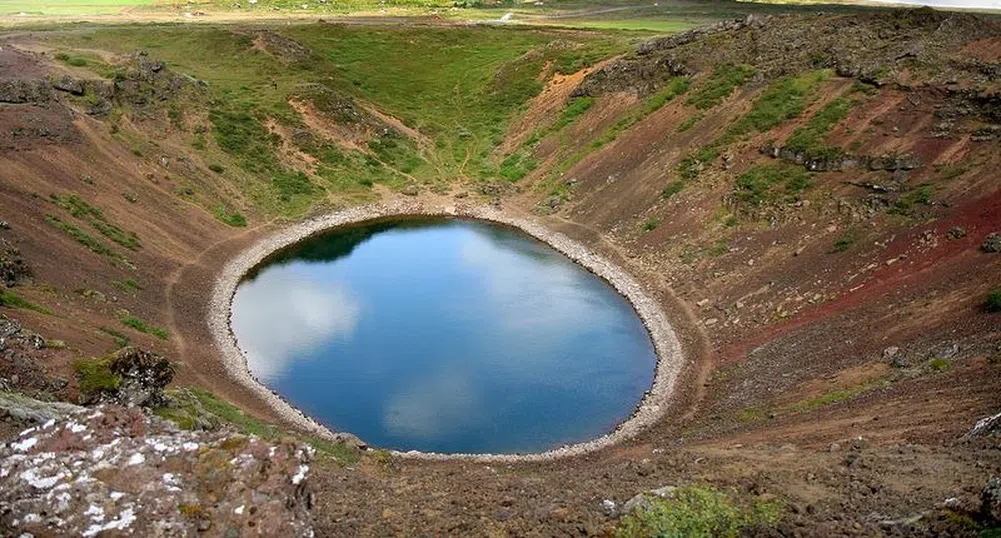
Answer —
(667, 347)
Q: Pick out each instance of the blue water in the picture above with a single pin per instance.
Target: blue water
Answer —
(445, 336)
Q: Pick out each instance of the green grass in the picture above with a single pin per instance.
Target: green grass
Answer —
(689, 123)
(992, 303)
(720, 85)
(68, 7)
(127, 284)
(79, 208)
(458, 86)
(719, 248)
(808, 140)
(90, 242)
(12, 300)
(141, 326)
(844, 241)
(697, 511)
(939, 364)
(784, 99)
(769, 185)
(234, 219)
(671, 189)
(121, 340)
(516, 166)
(574, 109)
(651, 224)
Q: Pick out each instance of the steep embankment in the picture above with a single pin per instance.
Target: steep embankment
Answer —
(805, 196)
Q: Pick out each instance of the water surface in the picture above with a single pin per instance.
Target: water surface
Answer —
(445, 336)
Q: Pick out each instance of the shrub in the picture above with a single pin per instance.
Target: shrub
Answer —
(650, 224)
(844, 242)
(672, 188)
(217, 168)
(696, 511)
(993, 302)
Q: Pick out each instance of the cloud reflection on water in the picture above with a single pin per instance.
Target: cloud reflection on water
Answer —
(289, 316)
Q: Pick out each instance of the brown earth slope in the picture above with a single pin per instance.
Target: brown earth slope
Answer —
(838, 347)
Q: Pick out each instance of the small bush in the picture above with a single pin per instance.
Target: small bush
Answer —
(939, 364)
(759, 186)
(671, 189)
(696, 511)
(217, 168)
(993, 302)
(844, 242)
(650, 224)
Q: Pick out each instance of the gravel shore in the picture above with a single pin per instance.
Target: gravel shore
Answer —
(669, 354)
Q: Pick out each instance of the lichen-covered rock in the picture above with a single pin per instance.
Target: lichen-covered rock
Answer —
(20, 367)
(990, 498)
(114, 469)
(13, 268)
(139, 379)
(992, 243)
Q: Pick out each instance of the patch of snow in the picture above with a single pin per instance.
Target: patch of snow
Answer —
(49, 424)
(26, 432)
(136, 459)
(238, 510)
(188, 446)
(31, 518)
(115, 495)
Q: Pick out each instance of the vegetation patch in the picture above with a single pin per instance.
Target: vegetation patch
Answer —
(121, 340)
(720, 85)
(95, 376)
(12, 300)
(80, 209)
(576, 107)
(671, 189)
(808, 140)
(135, 323)
(993, 301)
(844, 241)
(769, 185)
(697, 511)
(234, 219)
(651, 224)
(127, 284)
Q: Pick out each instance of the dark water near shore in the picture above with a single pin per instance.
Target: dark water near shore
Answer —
(445, 336)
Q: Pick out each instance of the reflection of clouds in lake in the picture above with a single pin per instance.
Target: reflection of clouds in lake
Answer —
(540, 300)
(278, 318)
(433, 407)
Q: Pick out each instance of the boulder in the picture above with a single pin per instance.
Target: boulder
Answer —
(990, 500)
(643, 501)
(141, 375)
(992, 243)
(13, 268)
(986, 427)
(116, 471)
(68, 84)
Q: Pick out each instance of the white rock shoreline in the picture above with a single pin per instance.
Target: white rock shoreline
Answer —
(670, 359)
